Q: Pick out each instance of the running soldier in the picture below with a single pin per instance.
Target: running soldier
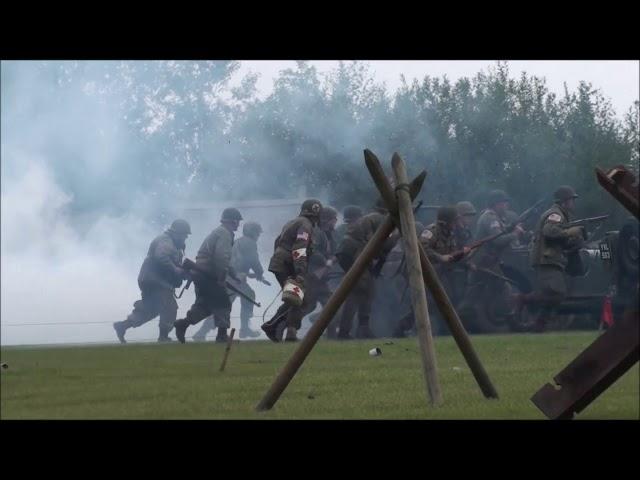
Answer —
(160, 273)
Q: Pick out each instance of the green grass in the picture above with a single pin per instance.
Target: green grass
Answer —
(338, 381)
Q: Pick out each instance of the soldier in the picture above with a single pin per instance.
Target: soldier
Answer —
(350, 214)
(549, 253)
(439, 243)
(322, 261)
(289, 264)
(360, 299)
(212, 265)
(244, 259)
(466, 218)
(160, 274)
(487, 296)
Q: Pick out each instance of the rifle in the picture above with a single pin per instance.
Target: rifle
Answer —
(521, 219)
(494, 275)
(261, 280)
(586, 221)
(381, 261)
(191, 265)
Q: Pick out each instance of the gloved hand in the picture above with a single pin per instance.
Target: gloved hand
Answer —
(577, 232)
(298, 280)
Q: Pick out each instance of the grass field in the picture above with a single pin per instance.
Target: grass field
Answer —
(338, 381)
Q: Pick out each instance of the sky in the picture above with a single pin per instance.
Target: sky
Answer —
(618, 80)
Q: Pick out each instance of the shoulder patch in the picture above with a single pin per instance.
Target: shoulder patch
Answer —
(304, 236)
(554, 218)
(495, 224)
(427, 234)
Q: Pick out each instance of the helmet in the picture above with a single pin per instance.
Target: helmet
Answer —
(251, 229)
(564, 192)
(447, 214)
(497, 196)
(232, 214)
(419, 227)
(328, 213)
(311, 208)
(180, 226)
(351, 213)
(466, 208)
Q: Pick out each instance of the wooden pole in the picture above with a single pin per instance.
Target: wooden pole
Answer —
(435, 287)
(416, 282)
(336, 300)
(228, 349)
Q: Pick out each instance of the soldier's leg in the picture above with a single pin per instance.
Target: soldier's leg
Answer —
(168, 313)
(205, 328)
(144, 310)
(222, 318)
(295, 316)
(365, 300)
(552, 289)
(271, 327)
(349, 309)
(199, 310)
(246, 313)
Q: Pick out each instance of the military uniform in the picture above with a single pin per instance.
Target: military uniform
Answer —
(290, 261)
(161, 272)
(361, 297)
(549, 255)
(212, 265)
(487, 296)
(244, 259)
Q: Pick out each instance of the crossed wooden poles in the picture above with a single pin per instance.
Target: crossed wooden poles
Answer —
(420, 273)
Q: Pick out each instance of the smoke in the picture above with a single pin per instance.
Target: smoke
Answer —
(70, 250)
(81, 201)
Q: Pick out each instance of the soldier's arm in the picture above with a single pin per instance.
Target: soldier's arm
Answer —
(253, 259)
(494, 228)
(299, 250)
(164, 257)
(427, 239)
(552, 229)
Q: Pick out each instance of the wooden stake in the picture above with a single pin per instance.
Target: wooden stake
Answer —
(336, 300)
(228, 349)
(435, 287)
(416, 282)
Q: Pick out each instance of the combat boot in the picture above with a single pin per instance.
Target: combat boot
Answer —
(222, 336)
(271, 328)
(120, 328)
(164, 335)
(344, 335)
(291, 335)
(364, 332)
(181, 329)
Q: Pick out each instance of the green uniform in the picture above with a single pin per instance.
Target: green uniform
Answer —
(244, 259)
(213, 258)
(548, 254)
(486, 297)
(292, 250)
(160, 274)
(356, 237)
